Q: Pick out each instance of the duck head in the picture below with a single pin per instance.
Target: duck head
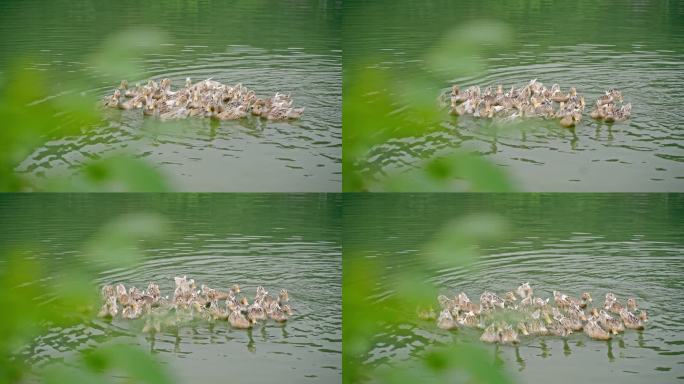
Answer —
(631, 304)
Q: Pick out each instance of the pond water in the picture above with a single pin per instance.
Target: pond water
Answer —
(631, 245)
(291, 47)
(640, 50)
(278, 241)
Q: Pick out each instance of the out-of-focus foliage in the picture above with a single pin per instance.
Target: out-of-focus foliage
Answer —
(457, 244)
(36, 297)
(379, 107)
(34, 111)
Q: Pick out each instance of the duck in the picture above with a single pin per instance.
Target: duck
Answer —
(597, 113)
(521, 327)
(109, 309)
(256, 311)
(490, 300)
(463, 302)
(468, 319)
(568, 121)
(570, 323)
(426, 313)
(624, 113)
(631, 304)
(556, 328)
(278, 315)
(631, 320)
(609, 323)
(490, 334)
(611, 303)
(594, 330)
(131, 311)
(510, 299)
(536, 324)
(232, 113)
(446, 320)
(508, 335)
(230, 102)
(561, 300)
(239, 321)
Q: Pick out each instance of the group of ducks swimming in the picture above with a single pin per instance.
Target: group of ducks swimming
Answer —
(534, 100)
(505, 318)
(207, 98)
(189, 303)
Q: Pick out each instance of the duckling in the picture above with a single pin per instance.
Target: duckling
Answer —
(561, 300)
(559, 97)
(490, 334)
(611, 303)
(446, 320)
(113, 101)
(232, 113)
(536, 324)
(278, 315)
(609, 323)
(426, 313)
(295, 113)
(569, 323)
(527, 301)
(463, 302)
(615, 94)
(631, 320)
(256, 311)
(597, 113)
(283, 296)
(604, 99)
(510, 299)
(643, 315)
(107, 291)
(109, 309)
(239, 321)
(131, 311)
(491, 300)
(522, 328)
(568, 121)
(594, 330)
(508, 335)
(541, 303)
(632, 304)
(557, 329)
(623, 113)
(468, 319)
(585, 299)
(445, 302)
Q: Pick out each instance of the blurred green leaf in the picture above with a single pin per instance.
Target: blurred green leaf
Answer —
(119, 56)
(116, 243)
(113, 174)
(129, 361)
